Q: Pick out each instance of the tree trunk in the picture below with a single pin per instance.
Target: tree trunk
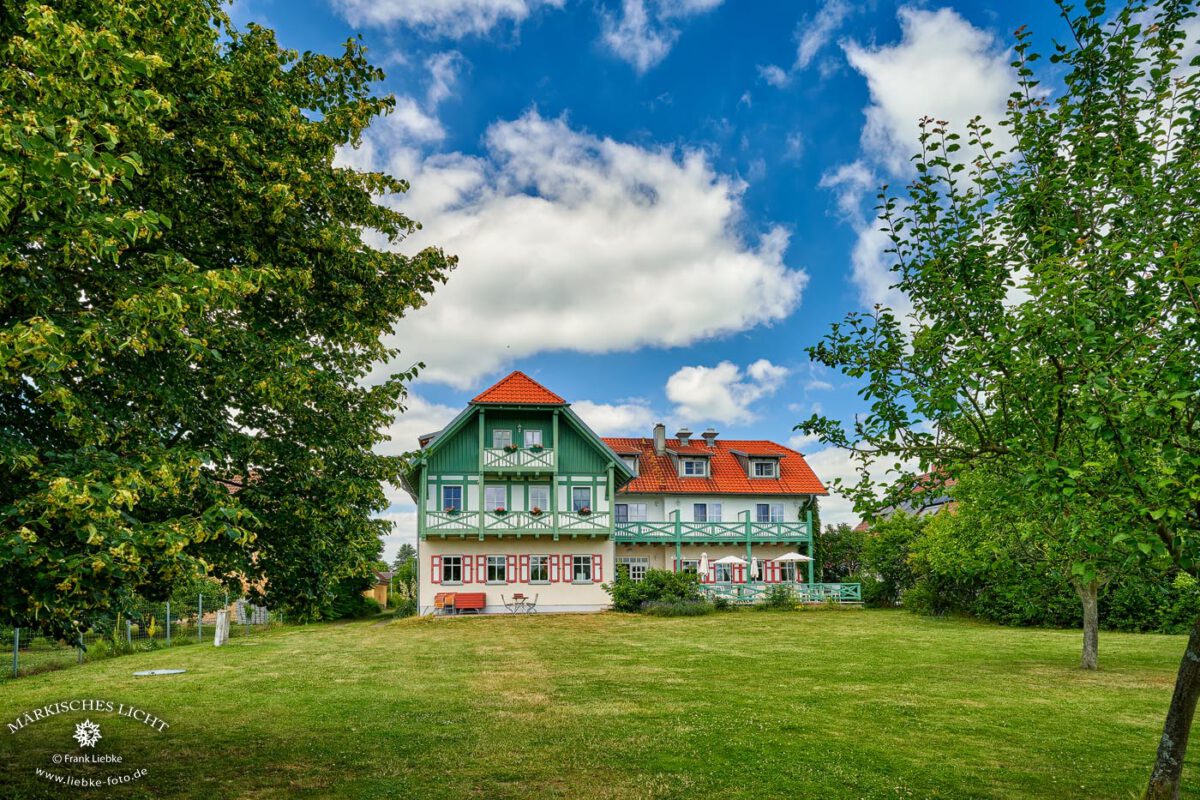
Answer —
(1088, 596)
(1168, 765)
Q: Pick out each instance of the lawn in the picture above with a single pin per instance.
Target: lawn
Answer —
(822, 704)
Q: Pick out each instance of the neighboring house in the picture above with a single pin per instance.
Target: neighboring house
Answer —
(928, 497)
(518, 495)
(379, 591)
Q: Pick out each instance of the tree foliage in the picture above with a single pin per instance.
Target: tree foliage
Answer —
(188, 310)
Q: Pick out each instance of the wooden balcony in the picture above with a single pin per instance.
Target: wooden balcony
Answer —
(500, 459)
(518, 523)
(712, 532)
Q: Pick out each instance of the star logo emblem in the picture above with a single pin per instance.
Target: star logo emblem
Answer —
(87, 733)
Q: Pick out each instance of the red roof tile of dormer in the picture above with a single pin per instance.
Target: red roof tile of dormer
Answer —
(519, 389)
(658, 474)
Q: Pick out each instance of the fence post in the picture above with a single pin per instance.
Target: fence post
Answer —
(129, 633)
(81, 647)
(16, 647)
(168, 623)
(200, 619)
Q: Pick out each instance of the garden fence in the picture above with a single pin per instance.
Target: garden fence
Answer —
(152, 627)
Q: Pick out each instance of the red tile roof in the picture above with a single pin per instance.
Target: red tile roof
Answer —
(659, 475)
(519, 389)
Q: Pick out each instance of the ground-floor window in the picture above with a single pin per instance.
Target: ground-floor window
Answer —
(497, 571)
(581, 569)
(787, 570)
(539, 569)
(691, 565)
(637, 566)
(452, 569)
(723, 573)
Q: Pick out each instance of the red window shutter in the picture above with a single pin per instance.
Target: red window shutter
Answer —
(435, 569)
(510, 574)
(554, 569)
(597, 568)
(524, 576)
(737, 574)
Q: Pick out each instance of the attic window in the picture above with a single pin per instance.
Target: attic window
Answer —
(693, 467)
(631, 462)
(764, 469)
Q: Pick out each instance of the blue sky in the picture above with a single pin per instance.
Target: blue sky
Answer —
(658, 204)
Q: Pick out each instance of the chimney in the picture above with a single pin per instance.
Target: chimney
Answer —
(710, 438)
(683, 434)
(660, 438)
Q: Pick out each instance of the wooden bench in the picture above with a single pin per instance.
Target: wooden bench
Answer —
(458, 602)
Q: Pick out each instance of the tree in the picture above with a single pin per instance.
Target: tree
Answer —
(405, 554)
(188, 310)
(1055, 324)
(885, 558)
(839, 553)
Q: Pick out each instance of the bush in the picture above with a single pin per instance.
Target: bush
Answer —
(349, 603)
(658, 585)
(722, 604)
(406, 608)
(778, 598)
(677, 608)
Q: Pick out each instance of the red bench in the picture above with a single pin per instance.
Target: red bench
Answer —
(458, 602)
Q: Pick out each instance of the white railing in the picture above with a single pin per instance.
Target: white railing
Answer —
(499, 458)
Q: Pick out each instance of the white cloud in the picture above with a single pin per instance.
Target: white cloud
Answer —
(723, 393)
(404, 530)
(645, 31)
(451, 18)
(616, 419)
(569, 241)
(812, 35)
(803, 441)
(419, 417)
(817, 385)
(942, 67)
(828, 464)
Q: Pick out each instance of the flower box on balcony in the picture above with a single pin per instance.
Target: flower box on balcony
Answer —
(500, 512)
(583, 512)
(511, 448)
(536, 448)
(451, 510)
(535, 512)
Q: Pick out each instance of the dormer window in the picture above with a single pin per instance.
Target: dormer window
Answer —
(631, 462)
(764, 469)
(693, 467)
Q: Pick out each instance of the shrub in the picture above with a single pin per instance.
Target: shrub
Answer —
(778, 598)
(658, 585)
(678, 608)
(406, 608)
(722, 604)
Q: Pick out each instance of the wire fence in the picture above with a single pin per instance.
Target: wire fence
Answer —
(152, 627)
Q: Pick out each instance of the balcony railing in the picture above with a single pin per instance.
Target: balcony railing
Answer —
(842, 593)
(711, 532)
(498, 459)
(515, 522)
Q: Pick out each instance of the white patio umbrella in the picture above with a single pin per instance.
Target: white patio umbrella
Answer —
(754, 568)
(730, 560)
(792, 557)
(702, 569)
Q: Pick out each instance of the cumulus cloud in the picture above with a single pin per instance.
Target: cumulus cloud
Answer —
(813, 33)
(723, 393)
(570, 241)
(450, 18)
(404, 530)
(942, 67)
(616, 419)
(645, 30)
(419, 417)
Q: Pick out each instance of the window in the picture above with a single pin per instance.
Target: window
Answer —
(706, 512)
(723, 573)
(691, 565)
(581, 569)
(539, 569)
(581, 498)
(533, 438)
(452, 569)
(497, 571)
(501, 438)
(495, 497)
(768, 512)
(787, 570)
(764, 469)
(631, 462)
(539, 497)
(631, 512)
(452, 498)
(695, 467)
(637, 566)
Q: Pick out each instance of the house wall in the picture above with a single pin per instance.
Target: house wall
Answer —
(663, 556)
(556, 596)
(659, 507)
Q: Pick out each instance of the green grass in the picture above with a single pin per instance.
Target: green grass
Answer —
(821, 704)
